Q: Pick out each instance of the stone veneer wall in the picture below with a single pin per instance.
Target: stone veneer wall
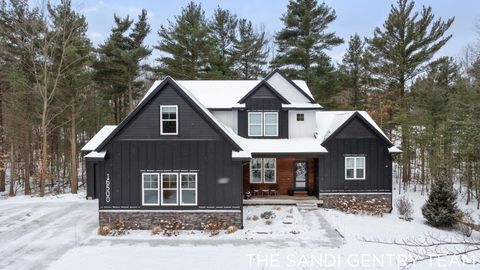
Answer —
(145, 219)
(329, 200)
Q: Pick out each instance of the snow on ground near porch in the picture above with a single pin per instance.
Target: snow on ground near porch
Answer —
(60, 233)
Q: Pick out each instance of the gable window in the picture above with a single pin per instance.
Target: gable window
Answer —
(150, 190)
(255, 123)
(263, 124)
(169, 188)
(355, 168)
(263, 170)
(270, 123)
(188, 189)
(300, 117)
(168, 120)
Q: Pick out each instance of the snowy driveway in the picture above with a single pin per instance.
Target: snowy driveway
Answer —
(34, 232)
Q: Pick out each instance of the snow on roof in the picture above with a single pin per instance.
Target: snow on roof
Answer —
(222, 94)
(293, 145)
(95, 154)
(94, 142)
(302, 106)
(241, 155)
(394, 150)
(329, 121)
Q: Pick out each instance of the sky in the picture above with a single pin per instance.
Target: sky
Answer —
(353, 16)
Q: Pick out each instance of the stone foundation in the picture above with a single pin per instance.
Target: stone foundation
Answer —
(145, 219)
(330, 199)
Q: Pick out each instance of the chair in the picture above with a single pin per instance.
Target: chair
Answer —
(273, 190)
(255, 190)
(265, 192)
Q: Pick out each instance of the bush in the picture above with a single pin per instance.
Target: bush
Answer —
(465, 224)
(232, 229)
(104, 230)
(268, 215)
(214, 225)
(441, 210)
(404, 207)
(354, 205)
(156, 230)
(269, 222)
(172, 227)
(255, 218)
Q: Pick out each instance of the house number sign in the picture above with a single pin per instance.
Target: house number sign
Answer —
(107, 188)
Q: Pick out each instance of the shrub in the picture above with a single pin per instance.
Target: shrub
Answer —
(156, 230)
(269, 222)
(172, 227)
(353, 205)
(232, 229)
(214, 225)
(255, 217)
(267, 215)
(104, 230)
(404, 207)
(441, 210)
(465, 224)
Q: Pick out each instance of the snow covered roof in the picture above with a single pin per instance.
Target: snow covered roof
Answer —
(94, 142)
(225, 94)
(279, 146)
(95, 154)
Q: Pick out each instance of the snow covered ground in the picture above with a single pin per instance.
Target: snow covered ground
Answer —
(60, 233)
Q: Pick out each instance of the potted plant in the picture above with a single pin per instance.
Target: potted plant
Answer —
(290, 192)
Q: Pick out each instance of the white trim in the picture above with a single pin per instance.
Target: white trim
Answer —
(355, 168)
(265, 124)
(161, 188)
(274, 170)
(261, 124)
(158, 189)
(195, 189)
(261, 171)
(176, 119)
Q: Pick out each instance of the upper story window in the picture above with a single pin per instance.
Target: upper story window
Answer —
(300, 117)
(355, 168)
(263, 124)
(168, 120)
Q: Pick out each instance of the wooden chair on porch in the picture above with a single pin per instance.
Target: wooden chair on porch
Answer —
(255, 190)
(273, 190)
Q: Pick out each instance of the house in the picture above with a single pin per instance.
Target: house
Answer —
(191, 149)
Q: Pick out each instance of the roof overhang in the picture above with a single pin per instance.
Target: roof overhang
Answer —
(98, 156)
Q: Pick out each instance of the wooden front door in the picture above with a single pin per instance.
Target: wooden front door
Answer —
(300, 175)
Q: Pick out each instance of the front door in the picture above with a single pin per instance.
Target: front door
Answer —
(300, 175)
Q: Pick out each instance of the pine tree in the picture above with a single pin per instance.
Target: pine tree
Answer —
(303, 41)
(223, 30)
(400, 51)
(441, 210)
(353, 66)
(185, 44)
(250, 51)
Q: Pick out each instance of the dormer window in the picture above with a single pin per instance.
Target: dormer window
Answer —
(168, 120)
(262, 124)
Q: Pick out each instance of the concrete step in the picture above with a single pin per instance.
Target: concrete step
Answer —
(307, 206)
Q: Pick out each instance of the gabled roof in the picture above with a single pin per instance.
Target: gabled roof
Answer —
(330, 123)
(269, 87)
(295, 85)
(207, 115)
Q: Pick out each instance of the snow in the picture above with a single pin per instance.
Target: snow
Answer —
(293, 145)
(241, 154)
(95, 154)
(394, 150)
(98, 138)
(302, 106)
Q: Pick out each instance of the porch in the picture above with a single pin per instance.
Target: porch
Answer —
(282, 200)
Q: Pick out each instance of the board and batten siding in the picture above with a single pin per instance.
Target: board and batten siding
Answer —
(286, 89)
(358, 140)
(301, 129)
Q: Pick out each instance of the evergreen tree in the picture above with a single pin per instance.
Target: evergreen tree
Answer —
(302, 43)
(353, 67)
(222, 59)
(250, 51)
(186, 44)
(441, 210)
(400, 51)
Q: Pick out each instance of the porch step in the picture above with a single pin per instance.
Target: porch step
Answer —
(300, 193)
(307, 205)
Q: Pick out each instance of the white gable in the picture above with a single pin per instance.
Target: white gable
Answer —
(287, 90)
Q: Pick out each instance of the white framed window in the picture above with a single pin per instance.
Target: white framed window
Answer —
(188, 189)
(300, 117)
(169, 192)
(255, 124)
(150, 189)
(263, 170)
(269, 170)
(355, 168)
(256, 171)
(270, 123)
(168, 119)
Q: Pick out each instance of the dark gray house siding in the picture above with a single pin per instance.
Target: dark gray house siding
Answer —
(355, 139)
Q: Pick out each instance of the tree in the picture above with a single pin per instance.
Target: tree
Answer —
(303, 40)
(250, 51)
(399, 52)
(186, 44)
(441, 210)
(223, 30)
(353, 66)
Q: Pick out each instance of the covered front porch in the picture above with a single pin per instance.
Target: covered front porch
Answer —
(282, 179)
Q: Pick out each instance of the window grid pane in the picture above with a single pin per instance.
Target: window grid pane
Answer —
(150, 189)
(169, 119)
(355, 167)
(169, 188)
(188, 189)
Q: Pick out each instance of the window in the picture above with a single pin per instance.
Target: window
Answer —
(256, 171)
(255, 123)
(269, 170)
(169, 120)
(355, 168)
(263, 170)
(188, 189)
(270, 123)
(263, 124)
(150, 189)
(300, 117)
(169, 188)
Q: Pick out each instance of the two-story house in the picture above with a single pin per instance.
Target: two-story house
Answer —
(191, 149)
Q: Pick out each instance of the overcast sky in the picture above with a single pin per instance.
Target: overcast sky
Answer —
(353, 16)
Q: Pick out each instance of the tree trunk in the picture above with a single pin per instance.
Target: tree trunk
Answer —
(469, 182)
(130, 95)
(73, 153)
(13, 170)
(26, 157)
(2, 147)
(44, 150)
